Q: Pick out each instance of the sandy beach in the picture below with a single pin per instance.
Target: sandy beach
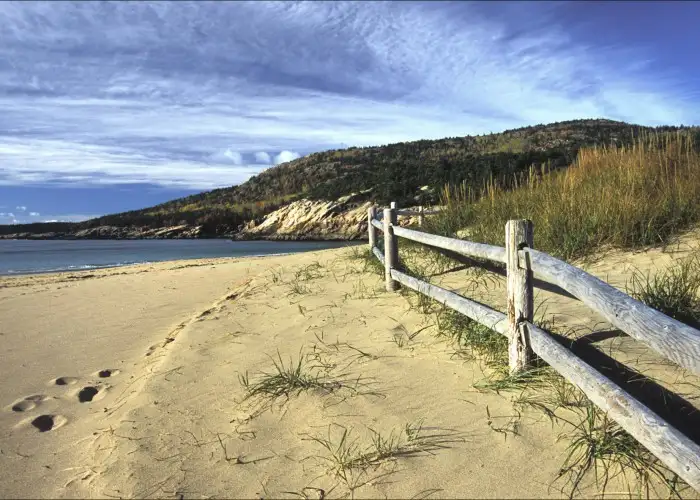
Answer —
(131, 383)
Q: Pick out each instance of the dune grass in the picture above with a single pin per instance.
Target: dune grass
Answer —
(598, 445)
(366, 262)
(675, 291)
(624, 197)
(356, 463)
(287, 380)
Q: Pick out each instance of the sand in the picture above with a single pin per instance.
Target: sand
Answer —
(128, 383)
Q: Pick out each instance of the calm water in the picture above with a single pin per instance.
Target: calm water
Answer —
(24, 256)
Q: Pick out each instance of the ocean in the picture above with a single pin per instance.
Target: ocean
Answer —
(43, 256)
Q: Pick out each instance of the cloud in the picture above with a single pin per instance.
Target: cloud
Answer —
(286, 156)
(192, 94)
(235, 157)
(262, 157)
(67, 163)
(227, 156)
(6, 218)
(21, 208)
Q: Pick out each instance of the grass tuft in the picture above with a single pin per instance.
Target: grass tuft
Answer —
(675, 291)
(472, 339)
(347, 459)
(364, 261)
(310, 272)
(311, 372)
(598, 445)
(287, 379)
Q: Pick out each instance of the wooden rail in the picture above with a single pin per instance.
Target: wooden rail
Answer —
(674, 340)
(420, 212)
(467, 248)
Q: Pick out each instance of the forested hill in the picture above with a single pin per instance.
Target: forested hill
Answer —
(395, 172)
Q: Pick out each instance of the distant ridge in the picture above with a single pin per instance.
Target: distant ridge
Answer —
(407, 172)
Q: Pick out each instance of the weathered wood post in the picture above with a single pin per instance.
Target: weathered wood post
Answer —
(371, 230)
(391, 248)
(519, 235)
(420, 216)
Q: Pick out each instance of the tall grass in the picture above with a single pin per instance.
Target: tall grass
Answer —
(626, 197)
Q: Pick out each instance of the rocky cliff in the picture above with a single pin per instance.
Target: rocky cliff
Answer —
(343, 219)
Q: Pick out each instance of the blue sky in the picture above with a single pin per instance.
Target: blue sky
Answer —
(107, 107)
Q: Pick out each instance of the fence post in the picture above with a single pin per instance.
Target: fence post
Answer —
(371, 230)
(420, 216)
(391, 248)
(519, 234)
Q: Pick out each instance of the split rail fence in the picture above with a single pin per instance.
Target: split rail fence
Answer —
(667, 336)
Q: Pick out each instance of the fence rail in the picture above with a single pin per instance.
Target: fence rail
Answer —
(673, 339)
(419, 212)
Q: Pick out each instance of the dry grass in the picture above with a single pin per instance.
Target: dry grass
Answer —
(624, 197)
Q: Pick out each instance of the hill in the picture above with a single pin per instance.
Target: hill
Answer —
(408, 172)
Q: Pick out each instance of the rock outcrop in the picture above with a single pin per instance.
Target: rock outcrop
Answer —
(343, 219)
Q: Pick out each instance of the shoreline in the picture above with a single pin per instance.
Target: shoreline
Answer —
(95, 267)
(231, 236)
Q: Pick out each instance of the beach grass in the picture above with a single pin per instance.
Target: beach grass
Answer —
(625, 197)
(356, 463)
(675, 291)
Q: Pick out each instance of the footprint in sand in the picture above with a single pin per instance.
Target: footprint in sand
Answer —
(29, 403)
(46, 423)
(65, 380)
(109, 372)
(87, 394)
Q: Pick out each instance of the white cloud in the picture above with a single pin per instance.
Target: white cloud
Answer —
(286, 156)
(227, 156)
(182, 94)
(235, 157)
(21, 208)
(69, 163)
(35, 217)
(262, 157)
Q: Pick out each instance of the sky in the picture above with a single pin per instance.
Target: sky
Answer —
(113, 106)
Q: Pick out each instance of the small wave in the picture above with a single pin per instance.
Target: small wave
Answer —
(269, 254)
(64, 269)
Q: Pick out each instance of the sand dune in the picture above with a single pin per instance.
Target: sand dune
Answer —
(129, 383)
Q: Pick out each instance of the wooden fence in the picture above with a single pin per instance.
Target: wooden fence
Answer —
(669, 337)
